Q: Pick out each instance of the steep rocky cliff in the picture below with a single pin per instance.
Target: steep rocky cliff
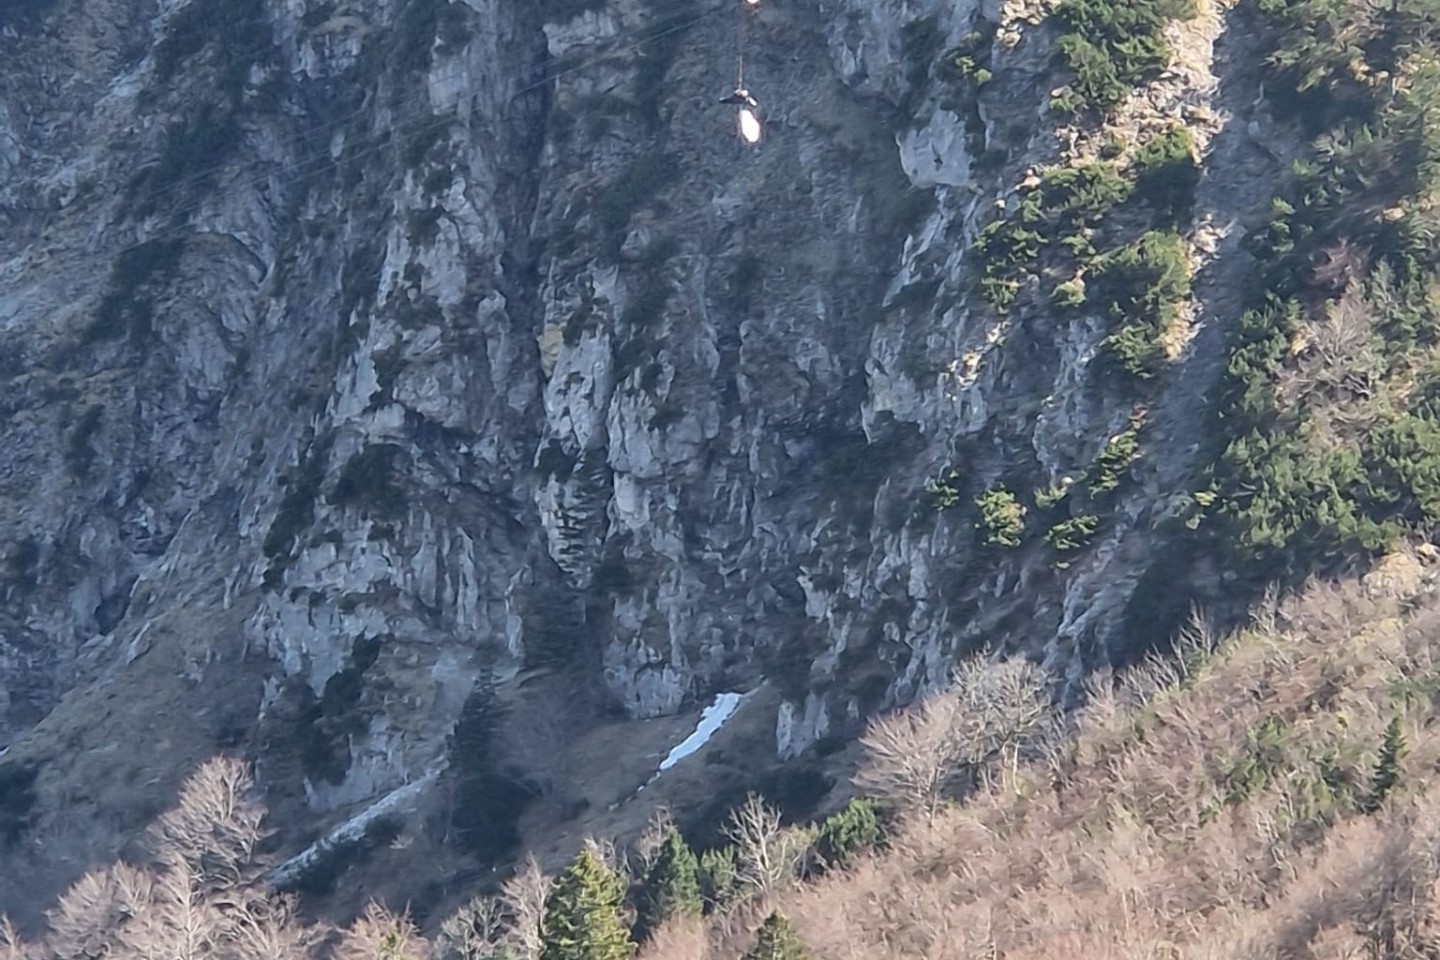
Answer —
(371, 365)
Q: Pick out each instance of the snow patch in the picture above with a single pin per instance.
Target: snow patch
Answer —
(353, 830)
(712, 718)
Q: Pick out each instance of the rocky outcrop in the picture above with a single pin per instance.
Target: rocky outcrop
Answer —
(438, 344)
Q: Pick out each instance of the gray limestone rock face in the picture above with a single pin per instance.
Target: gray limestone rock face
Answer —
(359, 357)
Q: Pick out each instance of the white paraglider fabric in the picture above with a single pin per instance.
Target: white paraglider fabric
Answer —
(749, 125)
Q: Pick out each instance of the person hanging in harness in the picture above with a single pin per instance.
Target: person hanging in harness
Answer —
(748, 117)
(741, 97)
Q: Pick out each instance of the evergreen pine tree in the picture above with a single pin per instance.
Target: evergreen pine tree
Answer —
(848, 832)
(775, 940)
(583, 914)
(717, 876)
(1387, 767)
(672, 886)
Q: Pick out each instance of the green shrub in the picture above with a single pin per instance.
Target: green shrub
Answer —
(968, 62)
(1113, 46)
(1143, 286)
(1005, 249)
(671, 887)
(1000, 292)
(1290, 498)
(1051, 496)
(1135, 349)
(1387, 767)
(1145, 282)
(1322, 68)
(1073, 534)
(718, 877)
(1002, 518)
(1074, 197)
(846, 834)
(1280, 496)
(1166, 175)
(1119, 453)
(1061, 210)
(1069, 294)
(1262, 757)
(776, 940)
(945, 489)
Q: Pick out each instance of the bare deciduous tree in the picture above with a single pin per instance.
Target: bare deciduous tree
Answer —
(911, 756)
(268, 929)
(524, 896)
(85, 923)
(608, 853)
(683, 938)
(215, 825)
(479, 930)
(652, 838)
(914, 757)
(181, 922)
(381, 934)
(768, 855)
(12, 947)
(1001, 706)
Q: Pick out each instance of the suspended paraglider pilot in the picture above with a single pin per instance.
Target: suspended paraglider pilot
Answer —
(741, 97)
(748, 117)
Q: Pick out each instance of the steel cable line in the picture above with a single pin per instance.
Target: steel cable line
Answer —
(421, 99)
(308, 164)
(740, 48)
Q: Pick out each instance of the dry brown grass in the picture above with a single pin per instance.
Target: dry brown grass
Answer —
(682, 939)
(1211, 812)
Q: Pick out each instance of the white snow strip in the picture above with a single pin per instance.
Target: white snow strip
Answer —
(350, 831)
(712, 718)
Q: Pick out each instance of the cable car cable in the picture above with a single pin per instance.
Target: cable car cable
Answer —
(382, 138)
